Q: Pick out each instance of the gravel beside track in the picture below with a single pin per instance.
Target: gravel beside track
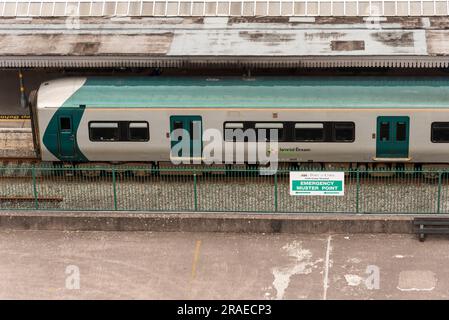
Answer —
(222, 193)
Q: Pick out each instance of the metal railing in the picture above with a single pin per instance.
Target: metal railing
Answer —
(210, 190)
(167, 8)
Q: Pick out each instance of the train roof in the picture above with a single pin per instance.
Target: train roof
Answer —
(260, 92)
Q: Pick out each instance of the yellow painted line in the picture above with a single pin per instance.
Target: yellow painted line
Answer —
(196, 257)
(14, 117)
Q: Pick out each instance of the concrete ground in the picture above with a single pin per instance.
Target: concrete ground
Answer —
(145, 265)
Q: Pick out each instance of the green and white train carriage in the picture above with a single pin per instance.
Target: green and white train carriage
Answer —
(348, 121)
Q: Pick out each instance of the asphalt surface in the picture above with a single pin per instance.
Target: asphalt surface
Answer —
(138, 265)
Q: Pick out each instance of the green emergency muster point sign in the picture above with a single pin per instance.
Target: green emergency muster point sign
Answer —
(317, 183)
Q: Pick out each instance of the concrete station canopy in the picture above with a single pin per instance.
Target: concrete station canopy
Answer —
(186, 33)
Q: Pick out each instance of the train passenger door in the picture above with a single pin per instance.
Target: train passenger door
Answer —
(392, 137)
(66, 137)
(191, 138)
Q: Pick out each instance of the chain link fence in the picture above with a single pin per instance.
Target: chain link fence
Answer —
(215, 190)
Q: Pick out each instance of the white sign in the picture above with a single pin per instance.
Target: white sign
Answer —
(317, 183)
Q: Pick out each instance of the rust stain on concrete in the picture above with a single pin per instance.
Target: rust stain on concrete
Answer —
(235, 20)
(85, 44)
(347, 45)
(394, 38)
(338, 20)
(406, 22)
(439, 22)
(88, 48)
(437, 42)
(270, 38)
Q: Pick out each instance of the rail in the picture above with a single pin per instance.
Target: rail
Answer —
(167, 8)
(226, 189)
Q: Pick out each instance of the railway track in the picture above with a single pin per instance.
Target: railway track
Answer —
(25, 199)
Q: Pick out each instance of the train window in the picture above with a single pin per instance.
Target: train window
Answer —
(104, 131)
(384, 131)
(440, 132)
(401, 131)
(266, 130)
(65, 124)
(309, 132)
(138, 131)
(344, 131)
(177, 125)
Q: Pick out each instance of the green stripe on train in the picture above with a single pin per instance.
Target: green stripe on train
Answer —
(262, 92)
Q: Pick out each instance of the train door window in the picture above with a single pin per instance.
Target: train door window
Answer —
(266, 130)
(138, 131)
(234, 131)
(176, 126)
(384, 131)
(344, 131)
(104, 131)
(65, 124)
(440, 132)
(309, 131)
(401, 131)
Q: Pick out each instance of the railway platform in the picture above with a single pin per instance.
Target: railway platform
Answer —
(181, 265)
(16, 141)
(293, 223)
